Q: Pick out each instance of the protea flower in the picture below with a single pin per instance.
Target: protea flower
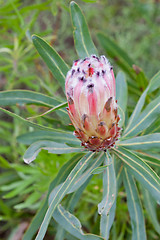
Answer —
(90, 91)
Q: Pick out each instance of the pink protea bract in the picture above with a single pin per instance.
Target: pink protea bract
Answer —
(92, 108)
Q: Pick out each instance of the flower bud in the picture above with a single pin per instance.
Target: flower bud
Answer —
(92, 108)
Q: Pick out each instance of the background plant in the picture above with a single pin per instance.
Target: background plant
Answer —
(17, 179)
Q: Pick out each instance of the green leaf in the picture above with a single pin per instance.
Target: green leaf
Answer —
(60, 137)
(72, 225)
(98, 159)
(151, 208)
(82, 39)
(146, 142)
(150, 158)
(106, 221)
(76, 196)
(71, 203)
(134, 207)
(109, 187)
(60, 106)
(53, 60)
(99, 170)
(122, 96)
(142, 172)
(153, 128)
(154, 83)
(52, 147)
(27, 122)
(136, 112)
(21, 97)
(115, 52)
(61, 176)
(146, 118)
(76, 172)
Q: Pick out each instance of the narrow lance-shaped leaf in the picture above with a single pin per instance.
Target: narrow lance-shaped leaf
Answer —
(27, 122)
(150, 158)
(122, 96)
(153, 128)
(84, 176)
(153, 85)
(142, 172)
(76, 195)
(60, 137)
(107, 220)
(114, 51)
(61, 176)
(70, 206)
(154, 82)
(109, 187)
(79, 181)
(146, 118)
(146, 142)
(52, 147)
(82, 39)
(76, 172)
(71, 224)
(53, 60)
(151, 208)
(134, 207)
(123, 60)
(22, 97)
(60, 106)
(100, 169)
(136, 111)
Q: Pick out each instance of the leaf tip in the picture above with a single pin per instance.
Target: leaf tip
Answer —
(72, 3)
(34, 37)
(28, 160)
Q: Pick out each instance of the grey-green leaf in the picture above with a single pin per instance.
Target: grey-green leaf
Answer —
(134, 207)
(72, 225)
(53, 60)
(27, 122)
(109, 187)
(76, 172)
(153, 85)
(107, 220)
(22, 97)
(121, 95)
(100, 169)
(151, 208)
(154, 82)
(61, 176)
(146, 118)
(142, 172)
(60, 137)
(146, 142)
(82, 39)
(115, 52)
(98, 159)
(52, 147)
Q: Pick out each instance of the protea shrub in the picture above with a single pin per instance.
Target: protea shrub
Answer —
(120, 165)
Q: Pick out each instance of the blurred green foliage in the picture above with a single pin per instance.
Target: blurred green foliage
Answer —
(133, 25)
